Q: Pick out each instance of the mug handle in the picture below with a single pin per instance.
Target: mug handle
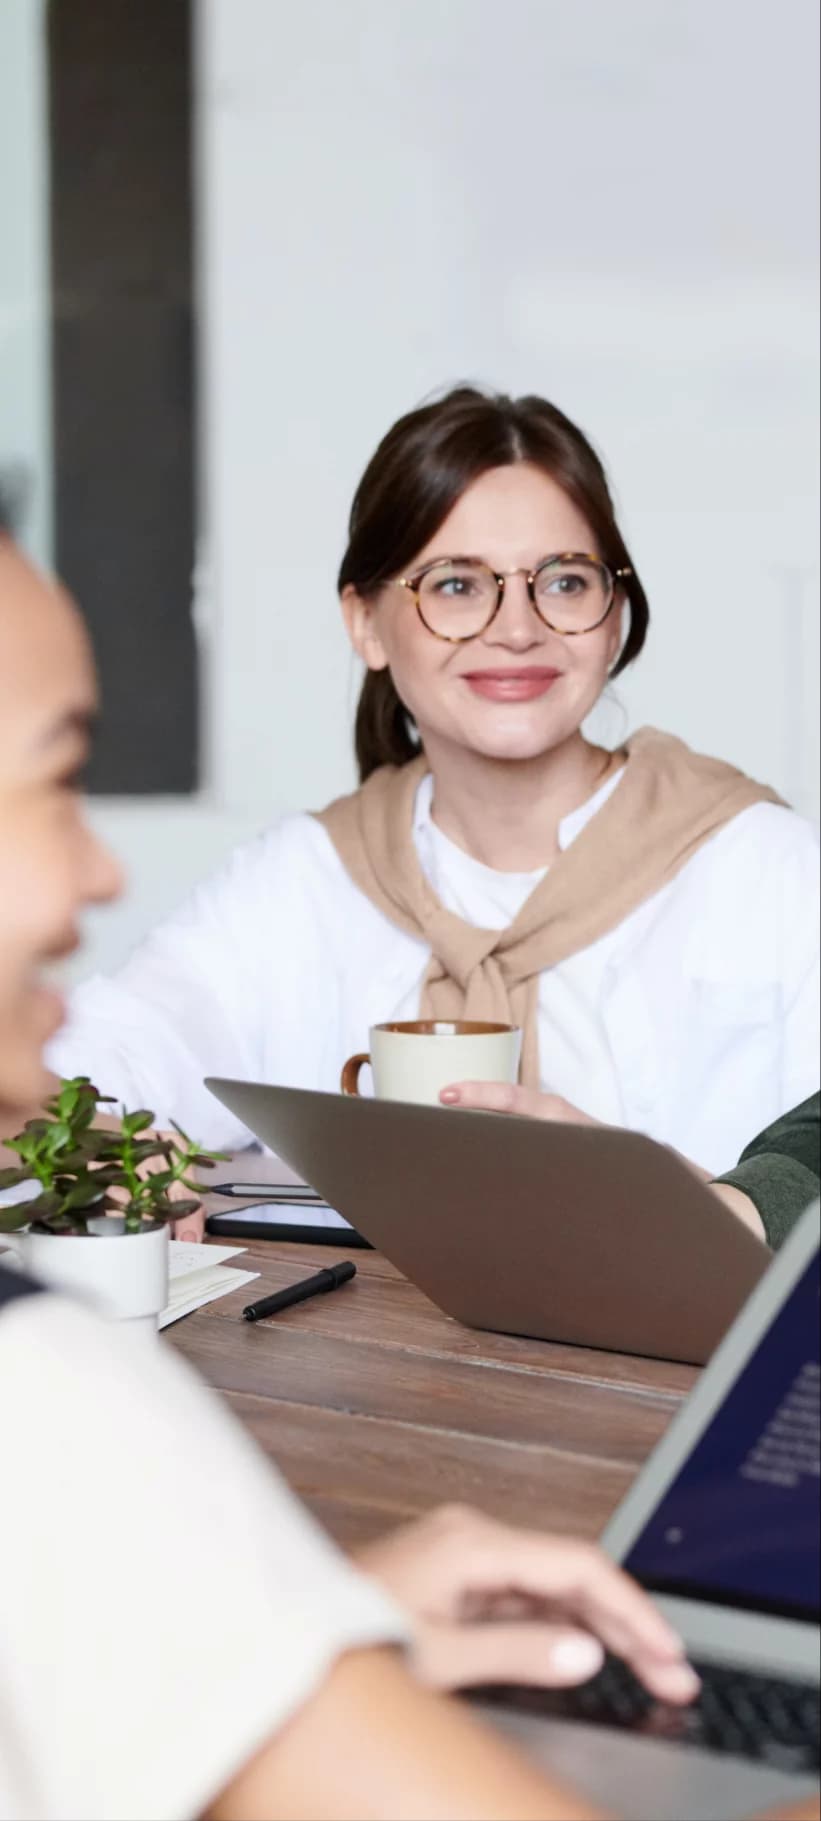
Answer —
(349, 1079)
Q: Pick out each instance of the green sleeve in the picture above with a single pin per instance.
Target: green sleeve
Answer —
(780, 1170)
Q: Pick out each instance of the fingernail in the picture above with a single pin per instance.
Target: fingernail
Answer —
(449, 1096)
(576, 1658)
(681, 1682)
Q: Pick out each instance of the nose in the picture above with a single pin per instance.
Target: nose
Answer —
(517, 626)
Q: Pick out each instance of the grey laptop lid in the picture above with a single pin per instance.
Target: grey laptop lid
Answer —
(723, 1521)
(589, 1235)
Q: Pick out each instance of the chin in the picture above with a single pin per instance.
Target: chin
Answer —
(515, 744)
(22, 1093)
(25, 1081)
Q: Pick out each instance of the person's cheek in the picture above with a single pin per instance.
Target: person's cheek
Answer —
(46, 868)
(413, 666)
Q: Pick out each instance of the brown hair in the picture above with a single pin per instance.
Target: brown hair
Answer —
(414, 479)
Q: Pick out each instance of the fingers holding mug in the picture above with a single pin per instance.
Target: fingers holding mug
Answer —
(349, 1079)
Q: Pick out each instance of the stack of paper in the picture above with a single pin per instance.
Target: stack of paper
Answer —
(198, 1275)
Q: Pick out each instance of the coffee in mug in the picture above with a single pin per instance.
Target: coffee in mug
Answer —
(415, 1061)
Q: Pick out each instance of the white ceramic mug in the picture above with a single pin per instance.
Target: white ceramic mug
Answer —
(415, 1061)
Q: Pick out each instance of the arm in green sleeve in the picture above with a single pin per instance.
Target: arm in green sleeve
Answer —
(780, 1171)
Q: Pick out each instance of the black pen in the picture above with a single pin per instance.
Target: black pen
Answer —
(298, 1293)
(266, 1191)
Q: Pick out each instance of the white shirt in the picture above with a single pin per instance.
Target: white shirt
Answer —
(694, 1021)
(135, 1681)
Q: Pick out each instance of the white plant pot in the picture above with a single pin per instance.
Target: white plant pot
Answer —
(123, 1275)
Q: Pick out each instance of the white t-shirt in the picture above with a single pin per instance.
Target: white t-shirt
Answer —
(166, 1602)
(695, 1020)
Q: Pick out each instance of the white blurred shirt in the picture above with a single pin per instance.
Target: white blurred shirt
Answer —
(694, 1021)
(166, 1602)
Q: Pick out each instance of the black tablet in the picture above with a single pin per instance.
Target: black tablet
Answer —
(312, 1224)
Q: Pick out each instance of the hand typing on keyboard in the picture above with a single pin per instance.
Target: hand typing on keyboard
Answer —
(764, 1718)
(495, 1603)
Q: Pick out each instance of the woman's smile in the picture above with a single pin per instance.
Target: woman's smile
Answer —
(522, 683)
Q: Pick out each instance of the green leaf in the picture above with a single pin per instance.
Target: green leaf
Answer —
(82, 1195)
(144, 1148)
(15, 1216)
(112, 1174)
(58, 1135)
(138, 1122)
(103, 1144)
(83, 1154)
(9, 1179)
(55, 1223)
(174, 1210)
(160, 1179)
(42, 1207)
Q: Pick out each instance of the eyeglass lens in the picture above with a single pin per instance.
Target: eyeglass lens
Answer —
(457, 598)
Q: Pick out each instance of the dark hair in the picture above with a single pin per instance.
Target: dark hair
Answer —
(13, 489)
(6, 514)
(419, 471)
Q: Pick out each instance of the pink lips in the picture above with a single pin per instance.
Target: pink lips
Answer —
(512, 685)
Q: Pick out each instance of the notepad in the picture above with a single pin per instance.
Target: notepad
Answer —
(198, 1275)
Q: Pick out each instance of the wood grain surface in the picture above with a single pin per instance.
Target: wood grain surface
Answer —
(376, 1406)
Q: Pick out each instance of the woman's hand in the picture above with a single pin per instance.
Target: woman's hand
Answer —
(530, 1103)
(740, 1205)
(496, 1604)
(503, 1097)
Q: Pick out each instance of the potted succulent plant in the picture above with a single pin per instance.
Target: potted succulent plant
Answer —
(98, 1222)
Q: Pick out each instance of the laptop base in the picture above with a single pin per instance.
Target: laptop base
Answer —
(643, 1778)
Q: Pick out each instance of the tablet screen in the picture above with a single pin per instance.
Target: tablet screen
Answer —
(739, 1524)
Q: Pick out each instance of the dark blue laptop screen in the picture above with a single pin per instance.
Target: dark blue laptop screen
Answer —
(740, 1524)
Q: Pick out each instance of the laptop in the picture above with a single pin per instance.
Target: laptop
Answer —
(580, 1234)
(722, 1527)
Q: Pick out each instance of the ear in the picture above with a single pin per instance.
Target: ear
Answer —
(360, 618)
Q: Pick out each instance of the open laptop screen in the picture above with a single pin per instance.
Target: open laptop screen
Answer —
(739, 1524)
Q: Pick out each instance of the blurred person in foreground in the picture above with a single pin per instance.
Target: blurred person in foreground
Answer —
(312, 1691)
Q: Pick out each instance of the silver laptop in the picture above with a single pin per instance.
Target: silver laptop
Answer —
(722, 1527)
(568, 1233)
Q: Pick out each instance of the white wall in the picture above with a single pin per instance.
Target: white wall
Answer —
(612, 204)
(25, 379)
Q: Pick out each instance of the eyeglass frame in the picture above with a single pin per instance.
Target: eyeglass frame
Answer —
(411, 582)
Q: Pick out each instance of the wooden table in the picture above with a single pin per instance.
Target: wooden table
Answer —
(376, 1406)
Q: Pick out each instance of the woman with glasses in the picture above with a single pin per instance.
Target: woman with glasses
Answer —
(647, 915)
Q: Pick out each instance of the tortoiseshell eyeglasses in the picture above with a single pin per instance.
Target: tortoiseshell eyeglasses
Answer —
(457, 597)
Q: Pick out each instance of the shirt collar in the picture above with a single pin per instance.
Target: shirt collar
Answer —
(570, 826)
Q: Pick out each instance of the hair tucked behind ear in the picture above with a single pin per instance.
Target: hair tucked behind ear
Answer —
(419, 471)
(383, 726)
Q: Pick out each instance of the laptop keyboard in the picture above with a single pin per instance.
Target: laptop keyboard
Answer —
(773, 1721)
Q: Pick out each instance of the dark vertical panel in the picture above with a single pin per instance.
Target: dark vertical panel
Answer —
(120, 77)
